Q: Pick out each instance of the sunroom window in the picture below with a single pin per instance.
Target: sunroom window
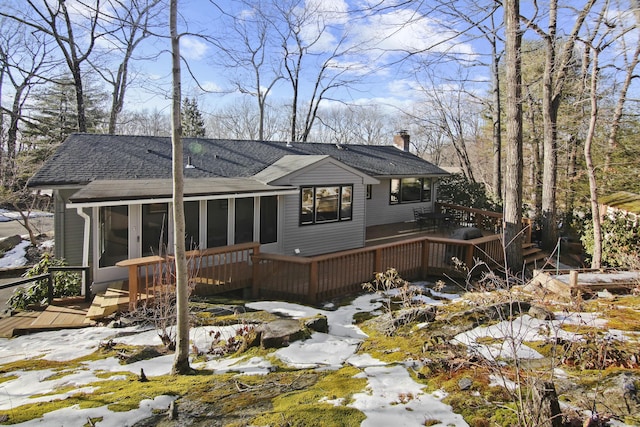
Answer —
(321, 204)
(410, 190)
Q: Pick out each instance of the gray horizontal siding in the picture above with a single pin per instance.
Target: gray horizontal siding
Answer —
(381, 212)
(328, 237)
(70, 237)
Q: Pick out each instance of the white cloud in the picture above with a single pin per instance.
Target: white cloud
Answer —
(407, 31)
(192, 48)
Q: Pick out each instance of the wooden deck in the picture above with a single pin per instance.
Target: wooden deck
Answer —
(60, 315)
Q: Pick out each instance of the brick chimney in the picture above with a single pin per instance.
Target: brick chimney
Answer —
(401, 140)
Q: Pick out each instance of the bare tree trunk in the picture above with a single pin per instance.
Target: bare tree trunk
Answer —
(535, 176)
(550, 105)
(555, 75)
(513, 175)
(496, 121)
(181, 360)
(612, 140)
(596, 256)
(572, 167)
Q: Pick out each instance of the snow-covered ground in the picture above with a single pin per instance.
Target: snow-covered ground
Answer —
(379, 401)
(324, 351)
(6, 215)
(16, 256)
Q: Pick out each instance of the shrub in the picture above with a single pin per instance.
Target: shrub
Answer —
(457, 189)
(620, 240)
(65, 284)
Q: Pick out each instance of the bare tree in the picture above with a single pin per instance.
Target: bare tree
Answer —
(631, 57)
(74, 42)
(606, 33)
(23, 56)
(513, 175)
(248, 49)
(353, 124)
(303, 29)
(556, 69)
(181, 360)
(125, 25)
(453, 111)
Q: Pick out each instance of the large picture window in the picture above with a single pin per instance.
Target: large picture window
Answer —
(410, 190)
(326, 204)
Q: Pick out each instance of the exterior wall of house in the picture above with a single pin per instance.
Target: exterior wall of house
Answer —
(381, 212)
(315, 239)
(69, 230)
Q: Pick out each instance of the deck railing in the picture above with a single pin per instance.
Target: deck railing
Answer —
(484, 220)
(220, 269)
(318, 278)
(322, 277)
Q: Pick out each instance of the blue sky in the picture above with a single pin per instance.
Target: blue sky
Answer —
(386, 35)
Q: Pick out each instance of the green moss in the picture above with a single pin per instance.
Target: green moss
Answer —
(6, 378)
(305, 407)
(624, 318)
(118, 395)
(37, 364)
(402, 345)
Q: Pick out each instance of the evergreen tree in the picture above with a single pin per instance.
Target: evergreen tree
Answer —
(192, 121)
(55, 114)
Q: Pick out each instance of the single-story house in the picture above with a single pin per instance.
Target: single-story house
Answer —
(113, 193)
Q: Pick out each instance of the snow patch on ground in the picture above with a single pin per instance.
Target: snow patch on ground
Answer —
(16, 256)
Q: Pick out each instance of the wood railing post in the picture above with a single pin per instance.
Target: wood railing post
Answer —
(469, 256)
(50, 287)
(255, 272)
(377, 262)
(426, 246)
(313, 282)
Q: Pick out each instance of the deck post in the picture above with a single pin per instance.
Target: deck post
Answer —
(469, 256)
(377, 265)
(426, 247)
(255, 272)
(313, 282)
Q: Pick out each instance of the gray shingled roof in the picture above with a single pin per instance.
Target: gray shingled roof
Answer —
(109, 190)
(84, 158)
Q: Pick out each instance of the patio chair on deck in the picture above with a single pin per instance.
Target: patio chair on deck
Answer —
(421, 216)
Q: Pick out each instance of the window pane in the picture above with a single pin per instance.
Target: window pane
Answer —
(244, 220)
(217, 220)
(394, 195)
(306, 206)
(410, 190)
(345, 205)
(268, 219)
(155, 229)
(426, 189)
(327, 204)
(192, 224)
(114, 234)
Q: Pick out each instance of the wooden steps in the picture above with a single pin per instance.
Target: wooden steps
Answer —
(116, 298)
(113, 299)
(533, 256)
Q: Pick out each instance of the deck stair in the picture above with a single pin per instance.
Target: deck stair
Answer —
(533, 256)
(115, 298)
